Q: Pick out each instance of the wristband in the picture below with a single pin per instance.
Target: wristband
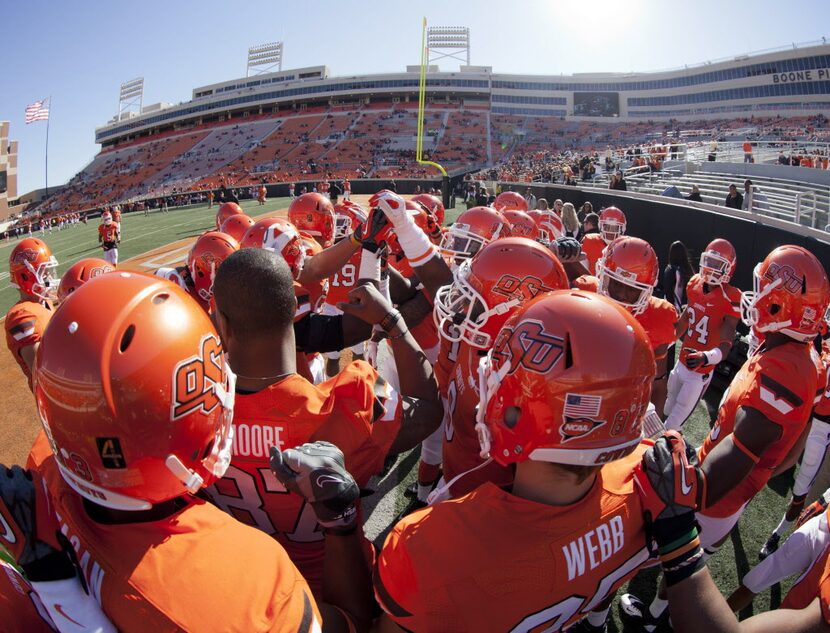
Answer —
(354, 239)
(390, 321)
(713, 356)
(369, 265)
(415, 243)
(678, 546)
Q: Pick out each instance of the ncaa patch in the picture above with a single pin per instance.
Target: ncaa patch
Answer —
(576, 428)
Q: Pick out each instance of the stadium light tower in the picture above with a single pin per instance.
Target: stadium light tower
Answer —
(451, 42)
(264, 58)
(130, 96)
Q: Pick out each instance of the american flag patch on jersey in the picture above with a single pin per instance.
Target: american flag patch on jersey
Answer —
(582, 406)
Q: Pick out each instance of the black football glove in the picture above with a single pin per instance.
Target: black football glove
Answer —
(567, 249)
(316, 471)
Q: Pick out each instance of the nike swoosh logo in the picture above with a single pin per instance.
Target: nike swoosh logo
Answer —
(59, 609)
(685, 487)
(327, 479)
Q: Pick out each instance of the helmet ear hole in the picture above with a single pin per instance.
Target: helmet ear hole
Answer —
(511, 417)
(127, 338)
(774, 308)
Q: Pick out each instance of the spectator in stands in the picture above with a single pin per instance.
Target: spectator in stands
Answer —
(783, 160)
(481, 197)
(557, 206)
(713, 151)
(393, 186)
(569, 220)
(748, 195)
(585, 210)
(676, 275)
(531, 199)
(334, 192)
(694, 196)
(542, 204)
(747, 146)
(734, 200)
(590, 224)
(617, 182)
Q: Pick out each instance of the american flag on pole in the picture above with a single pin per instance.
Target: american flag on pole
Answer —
(38, 111)
(582, 406)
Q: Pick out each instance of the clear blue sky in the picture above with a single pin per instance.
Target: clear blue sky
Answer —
(80, 52)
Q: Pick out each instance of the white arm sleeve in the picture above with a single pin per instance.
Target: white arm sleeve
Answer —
(795, 556)
(72, 610)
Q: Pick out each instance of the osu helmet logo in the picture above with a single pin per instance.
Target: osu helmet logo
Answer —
(97, 271)
(790, 280)
(23, 256)
(195, 379)
(512, 287)
(575, 428)
(529, 346)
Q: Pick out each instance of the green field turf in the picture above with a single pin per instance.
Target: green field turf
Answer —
(141, 235)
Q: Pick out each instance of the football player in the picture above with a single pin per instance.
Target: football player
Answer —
(570, 530)
(486, 290)
(196, 277)
(510, 201)
(710, 319)
(611, 226)
(349, 217)
(472, 229)
(627, 272)
(225, 211)
(128, 347)
(763, 417)
(356, 410)
(237, 225)
(521, 224)
(313, 214)
(671, 486)
(109, 238)
(31, 265)
(79, 273)
(815, 449)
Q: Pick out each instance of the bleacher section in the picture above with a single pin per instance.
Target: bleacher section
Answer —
(378, 140)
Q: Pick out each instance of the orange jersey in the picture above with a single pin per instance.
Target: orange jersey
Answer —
(592, 246)
(491, 561)
(25, 324)
(108, 233)
(342, 282)
(258, 589)
(461, 449)
(447, 357)
(707, 311)
(116, 215)
(658, 319)
(822, 403)
(20, 608)
(356, 410)
(780, 383)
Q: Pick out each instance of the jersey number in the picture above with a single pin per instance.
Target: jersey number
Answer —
(701, 327)
(449, 409)
(305, 528)
(345, 277)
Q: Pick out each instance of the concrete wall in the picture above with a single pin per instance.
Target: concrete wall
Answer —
(804, 174)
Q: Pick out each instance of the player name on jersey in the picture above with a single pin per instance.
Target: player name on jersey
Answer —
(594, 547)
(256, 440)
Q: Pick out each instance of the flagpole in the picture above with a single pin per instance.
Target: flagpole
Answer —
(47, 146)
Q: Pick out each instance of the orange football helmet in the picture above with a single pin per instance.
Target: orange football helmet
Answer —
(521, 224)
(280, 236)
(611, 224)
(347, 217)
(225, 211)
(568, 381)
(510, 201)
(237, 225)
(81, 272)
(473, 229)
(549, 224)
(488, 288)
(313, 213)
(717, 262)
(133, 392)
(204, 259)
(791, 294)
(630, 262)
(433, 205)
(30, 268)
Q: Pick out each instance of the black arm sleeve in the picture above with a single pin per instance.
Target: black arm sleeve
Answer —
(319, 333)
